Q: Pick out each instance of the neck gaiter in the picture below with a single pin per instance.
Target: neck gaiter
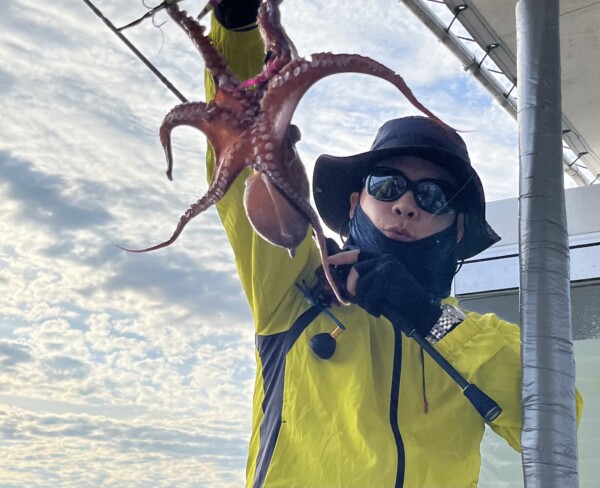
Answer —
(432, 260)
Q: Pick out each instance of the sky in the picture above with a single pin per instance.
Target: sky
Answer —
(121, 369)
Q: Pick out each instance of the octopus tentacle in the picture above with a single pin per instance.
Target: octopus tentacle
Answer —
(304, 206)
(207, 200)
(276, 40)
(289, 177)
(249, 125)
(208, 118)
(222, 181)
(297, 77)
(215, 64)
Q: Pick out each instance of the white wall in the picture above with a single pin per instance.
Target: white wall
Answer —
(486, 272)
(498, 269)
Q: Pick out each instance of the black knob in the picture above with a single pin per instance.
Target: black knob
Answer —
(323, 345)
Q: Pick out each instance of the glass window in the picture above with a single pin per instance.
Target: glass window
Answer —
(501, 466)
(585, 306)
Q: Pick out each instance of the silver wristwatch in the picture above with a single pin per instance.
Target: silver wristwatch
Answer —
(450, 318)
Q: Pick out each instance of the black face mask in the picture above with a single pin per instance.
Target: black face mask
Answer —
(432, 260)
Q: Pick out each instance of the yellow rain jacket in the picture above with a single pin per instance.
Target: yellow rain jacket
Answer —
(377, 414)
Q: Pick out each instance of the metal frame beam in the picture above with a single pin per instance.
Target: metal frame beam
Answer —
(483, 75)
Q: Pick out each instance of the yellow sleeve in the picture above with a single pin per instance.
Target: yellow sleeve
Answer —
(267, 272)
(487, 351)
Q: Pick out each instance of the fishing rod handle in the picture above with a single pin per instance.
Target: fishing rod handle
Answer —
(485, 406)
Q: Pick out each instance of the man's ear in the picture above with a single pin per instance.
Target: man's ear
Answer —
(354, 198)
(460, 227)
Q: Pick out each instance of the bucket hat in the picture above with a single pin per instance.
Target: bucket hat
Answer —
(336, 178)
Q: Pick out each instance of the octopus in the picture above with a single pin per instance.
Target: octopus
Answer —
(248, 124)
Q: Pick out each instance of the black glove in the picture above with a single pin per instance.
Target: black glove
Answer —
(237, 14)
(386, 287)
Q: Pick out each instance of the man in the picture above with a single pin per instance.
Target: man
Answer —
(379, 412)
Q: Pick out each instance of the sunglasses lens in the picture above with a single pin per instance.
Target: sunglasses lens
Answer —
(387, 184)
(386, 187)
(431, 197)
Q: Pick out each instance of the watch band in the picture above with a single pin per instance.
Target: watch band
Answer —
(450, 318)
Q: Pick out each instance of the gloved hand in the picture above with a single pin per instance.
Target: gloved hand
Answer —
(383, 286)
(237, 14)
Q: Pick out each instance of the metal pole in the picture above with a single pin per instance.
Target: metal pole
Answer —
(549, 437)
(135, 51)
(464, 55)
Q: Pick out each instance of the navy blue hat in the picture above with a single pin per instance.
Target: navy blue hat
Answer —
(336, 178)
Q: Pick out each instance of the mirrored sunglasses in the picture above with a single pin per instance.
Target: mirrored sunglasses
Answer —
(389, 184)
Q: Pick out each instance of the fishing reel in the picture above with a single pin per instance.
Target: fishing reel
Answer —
(324, 344)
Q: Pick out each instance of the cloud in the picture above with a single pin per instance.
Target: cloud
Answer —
(61, 368)
(41, 198)
(146, 454)
(183, 282)
(13, 353)
(7, 82)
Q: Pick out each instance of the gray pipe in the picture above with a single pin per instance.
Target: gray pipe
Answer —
(549, 437)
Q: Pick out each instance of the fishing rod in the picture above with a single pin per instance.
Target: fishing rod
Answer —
(485, 406)
(128, 43)
(324, 345)
(161, 6)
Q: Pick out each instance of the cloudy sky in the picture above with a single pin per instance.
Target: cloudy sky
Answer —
(137, 370)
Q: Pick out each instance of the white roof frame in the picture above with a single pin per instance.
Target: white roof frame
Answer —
(490, 56)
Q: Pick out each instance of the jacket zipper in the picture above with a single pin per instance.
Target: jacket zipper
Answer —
(394, 399)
